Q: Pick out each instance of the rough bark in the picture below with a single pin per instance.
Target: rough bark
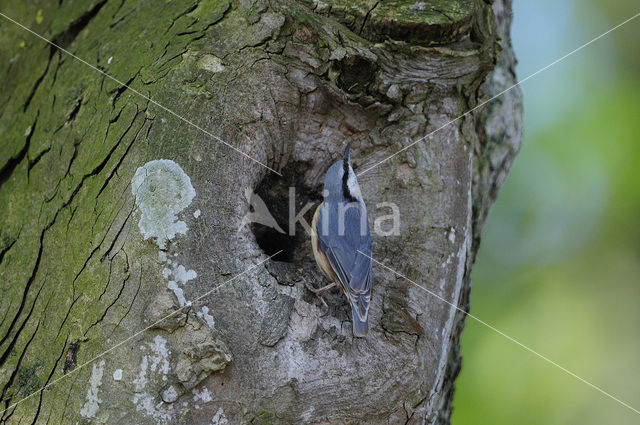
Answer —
(289, 83)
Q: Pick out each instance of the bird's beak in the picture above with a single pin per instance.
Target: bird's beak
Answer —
(347, 154)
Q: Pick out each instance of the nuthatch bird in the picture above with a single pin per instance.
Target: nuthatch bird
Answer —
(341, 241)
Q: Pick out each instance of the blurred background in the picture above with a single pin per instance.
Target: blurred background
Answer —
(559, 263)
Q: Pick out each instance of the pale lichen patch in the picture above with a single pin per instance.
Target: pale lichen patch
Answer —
(211, 63)
(203, 396)
(219, 418)
(419, 5)
(204, 315)
(182, 275)
(166, 272)
(160, 357)
(91, 405)
(155, 366)
(178, 292)
(162, 190)
(146, 403)
(170, 395)
(141, 381)
(117, 375)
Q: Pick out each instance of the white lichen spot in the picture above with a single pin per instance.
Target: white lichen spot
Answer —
(117, 375)
(170, 394)
(155, 365)
(178, 292)
(196, 213)
(203, 396)
(204, 315)
(160, 356)
(166, 273)
(90, 407)
(146, 403)
(162, 191)
(419, 5)
(182, 275)
(211, 63)
(452, 235)
(109, 60)
(163, 120)
(219, 418)
(141, 381)
(162, 256)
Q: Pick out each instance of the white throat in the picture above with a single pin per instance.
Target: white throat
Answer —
(352, 184)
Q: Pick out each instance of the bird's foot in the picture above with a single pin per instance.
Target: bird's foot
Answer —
(324, 310)
(319, 292)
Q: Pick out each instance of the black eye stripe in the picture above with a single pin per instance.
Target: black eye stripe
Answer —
(345, 173)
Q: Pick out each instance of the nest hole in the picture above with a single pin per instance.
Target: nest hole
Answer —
(355, 74)
(275, 192)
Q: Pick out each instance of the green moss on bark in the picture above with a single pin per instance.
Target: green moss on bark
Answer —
(72, 139)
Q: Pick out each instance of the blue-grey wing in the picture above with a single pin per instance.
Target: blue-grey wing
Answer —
(348, 251)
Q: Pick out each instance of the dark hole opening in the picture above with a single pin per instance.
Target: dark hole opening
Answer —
(272, 241)
(356, 74)
(274, 191)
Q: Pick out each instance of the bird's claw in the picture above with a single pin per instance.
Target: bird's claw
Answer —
(318, 293)
(325, 307)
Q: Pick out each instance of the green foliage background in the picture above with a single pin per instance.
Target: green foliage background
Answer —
(559, 264)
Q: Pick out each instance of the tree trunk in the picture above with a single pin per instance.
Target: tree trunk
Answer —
(98, 240)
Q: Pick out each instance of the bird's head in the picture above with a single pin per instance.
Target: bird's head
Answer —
(340, 183)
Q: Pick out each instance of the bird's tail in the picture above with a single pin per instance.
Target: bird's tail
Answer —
(360, 327)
